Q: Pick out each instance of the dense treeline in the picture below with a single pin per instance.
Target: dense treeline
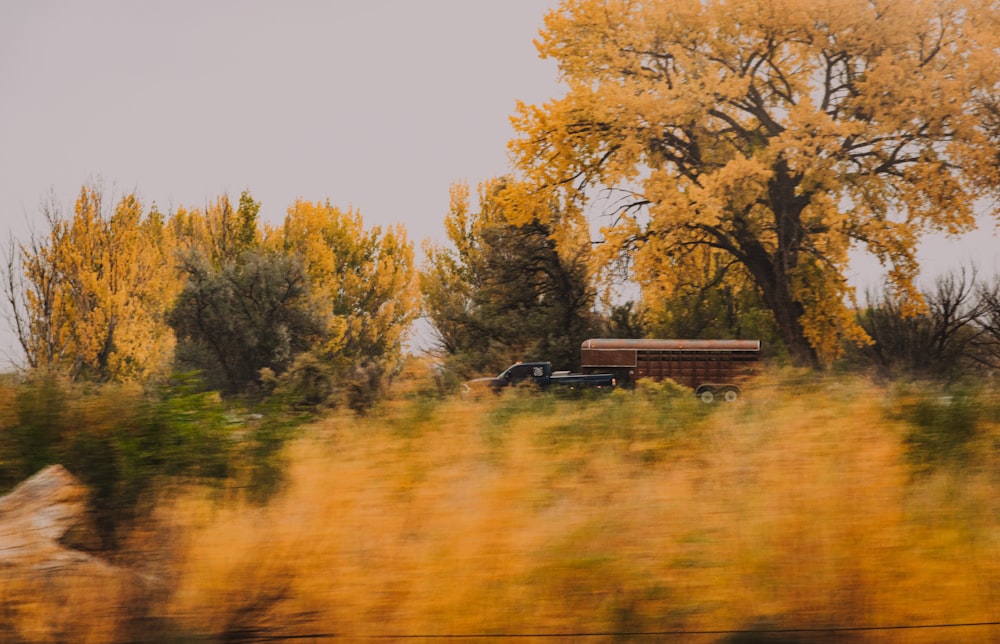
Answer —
(741, 152)
(189, 344)
(115, 293)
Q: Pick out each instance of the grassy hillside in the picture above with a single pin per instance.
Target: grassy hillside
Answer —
(806, 506)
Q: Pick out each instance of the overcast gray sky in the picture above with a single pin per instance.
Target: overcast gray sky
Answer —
(377, 105)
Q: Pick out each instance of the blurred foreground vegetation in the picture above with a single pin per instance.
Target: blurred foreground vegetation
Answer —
(811, 504)
(125, 443)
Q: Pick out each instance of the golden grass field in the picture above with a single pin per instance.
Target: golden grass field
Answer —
(794, 514)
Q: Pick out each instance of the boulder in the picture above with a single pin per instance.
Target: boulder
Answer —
(35, 516)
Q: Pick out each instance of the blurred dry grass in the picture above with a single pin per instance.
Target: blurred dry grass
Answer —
(796, 508)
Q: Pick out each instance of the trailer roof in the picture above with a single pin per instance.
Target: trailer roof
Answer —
(649, 344)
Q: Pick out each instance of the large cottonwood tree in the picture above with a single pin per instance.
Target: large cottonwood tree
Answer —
(778, 133)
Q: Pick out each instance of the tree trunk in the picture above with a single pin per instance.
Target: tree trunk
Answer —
(788, 316)
(776, 289)
(774, 272)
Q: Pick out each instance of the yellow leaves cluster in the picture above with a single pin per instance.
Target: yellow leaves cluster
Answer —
(219, 231)
(99, 289)
(363, 281)
(827, 322)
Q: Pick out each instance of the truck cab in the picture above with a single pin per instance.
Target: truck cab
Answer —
(540, 374)
(525, 371)
(519, 372)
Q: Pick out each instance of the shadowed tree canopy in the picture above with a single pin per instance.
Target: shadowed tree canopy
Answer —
(245, 314)
(778, 134)
(509, 291)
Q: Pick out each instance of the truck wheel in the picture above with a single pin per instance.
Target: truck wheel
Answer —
(707, 396)
(730, 394)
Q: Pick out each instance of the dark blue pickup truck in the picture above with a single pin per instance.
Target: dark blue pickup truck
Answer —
(541, 375)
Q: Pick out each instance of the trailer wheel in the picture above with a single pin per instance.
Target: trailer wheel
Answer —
(707, 396)
(730, 394)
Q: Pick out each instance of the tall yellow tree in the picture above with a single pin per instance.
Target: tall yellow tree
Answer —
(95, 291)
(218, 231)
(778, 133)
(363, 282)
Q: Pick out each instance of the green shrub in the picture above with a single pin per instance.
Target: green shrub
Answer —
(942, 425)
(124, 443)
(36, 428)
(662, 389)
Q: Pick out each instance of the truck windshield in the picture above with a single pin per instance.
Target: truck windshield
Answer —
(522, 371)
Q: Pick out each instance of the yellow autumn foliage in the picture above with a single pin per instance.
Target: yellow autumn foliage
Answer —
(363, 280)
(98, 289)
(781, 134)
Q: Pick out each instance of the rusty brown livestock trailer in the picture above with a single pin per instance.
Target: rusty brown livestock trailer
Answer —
(713, 368)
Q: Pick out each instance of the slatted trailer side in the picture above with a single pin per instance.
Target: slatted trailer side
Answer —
(713, 368)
